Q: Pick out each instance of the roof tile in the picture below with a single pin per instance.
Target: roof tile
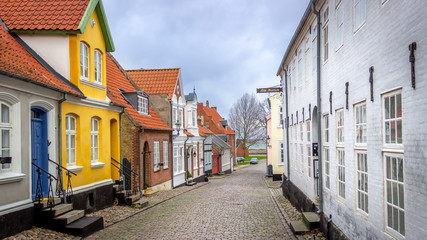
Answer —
(42, 15)
(117, 80)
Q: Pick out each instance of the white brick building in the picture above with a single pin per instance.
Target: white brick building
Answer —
(372, 144)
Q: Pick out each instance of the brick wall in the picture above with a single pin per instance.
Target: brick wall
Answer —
(130, 146)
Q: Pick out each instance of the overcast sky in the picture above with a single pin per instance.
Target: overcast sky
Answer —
(223, 47)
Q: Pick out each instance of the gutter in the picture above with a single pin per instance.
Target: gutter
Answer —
(287, 124)
(319, 106)
(60, 143)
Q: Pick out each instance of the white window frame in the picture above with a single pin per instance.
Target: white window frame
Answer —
(165, 154)
(94, 135)
(201, 155)
(181, 160)
(142, 105)
(306, 60)
(326, 137)
(314, 42)
(400, 185)
(301, 132)
(325, 34)
(300, 70)
(360, 125)
(362, 192)
(175, 159)
(326, 154)
(174, 114)
(98, 67)
(181, 117)
(308, 130)
(194, 118)
(341, 174)
(301, 157)
(396, 119)
(339, 41)
(359, 7)
(84, 61)
(156, 156)
(339, 115)
(69, 132)
(309, 162)
(279, 116)
(6, 126)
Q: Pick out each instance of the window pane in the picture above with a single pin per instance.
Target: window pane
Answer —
(395, 219)
(399, 131)
(387, 108)
(389, 216)
(393, 131)
(401, 196)
(72, 123)
(5, 138)
(394, 191)
(4, 114)
(400, 169)
(402, 222)
(389, 192)
(73, 141)
(392, 107)
(399, 105)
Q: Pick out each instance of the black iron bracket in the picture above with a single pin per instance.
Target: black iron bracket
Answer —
(303, 118)
(412, 48)
(371, 81)
(330, 102)
(346, 95)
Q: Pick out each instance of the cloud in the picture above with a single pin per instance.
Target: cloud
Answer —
(224, 48)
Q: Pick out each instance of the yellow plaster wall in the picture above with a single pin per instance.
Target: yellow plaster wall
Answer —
(276, 133)
(92, 37)
(109, 142)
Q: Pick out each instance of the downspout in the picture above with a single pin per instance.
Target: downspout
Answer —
(319, 111)
(139, 159)
(60, 142)
(185, 155)
(287, 124)
(121, 143)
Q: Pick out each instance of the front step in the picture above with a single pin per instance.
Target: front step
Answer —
(68, 218)
(57, 210)
(131, 199)
(149, 192)
(299, 227)
(85, 226)
(311, 219)
(190, 183)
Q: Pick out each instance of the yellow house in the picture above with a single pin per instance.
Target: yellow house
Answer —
(74, 43)
(277, 156)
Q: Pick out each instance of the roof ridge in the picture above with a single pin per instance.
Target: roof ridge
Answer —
(45, 64)
(152, 69)
(123, 71)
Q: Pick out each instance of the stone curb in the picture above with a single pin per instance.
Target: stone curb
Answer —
(281, 212)
(148, 207)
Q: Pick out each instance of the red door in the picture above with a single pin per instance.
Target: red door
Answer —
(215, 164)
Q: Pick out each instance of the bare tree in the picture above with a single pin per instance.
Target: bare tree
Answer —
(247, 118)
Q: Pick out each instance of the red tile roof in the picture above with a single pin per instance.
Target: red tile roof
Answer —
(213, 117)
(204, 132)
(188, 133)
(156, 81)
(43, 15)
(117, 80)
(16, 60)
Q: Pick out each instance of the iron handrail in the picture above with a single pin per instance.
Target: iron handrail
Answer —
(66, 169)
(125, 174)
(39, 188)
(68, 193)
(123, 166)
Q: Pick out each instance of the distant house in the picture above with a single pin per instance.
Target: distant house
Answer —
(239, 149)
(223, 139)
(275, 142)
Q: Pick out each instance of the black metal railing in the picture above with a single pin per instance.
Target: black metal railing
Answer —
(39, 189)
(127, 178)
(60, 191)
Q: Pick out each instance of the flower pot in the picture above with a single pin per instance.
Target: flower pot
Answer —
(4, 160)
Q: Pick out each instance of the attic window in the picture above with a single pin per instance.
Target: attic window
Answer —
(142, 105)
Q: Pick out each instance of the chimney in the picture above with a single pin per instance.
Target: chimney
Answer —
(207, 103)
(214, 108)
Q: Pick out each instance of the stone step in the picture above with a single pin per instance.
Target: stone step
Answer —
(141, 203)
(311, 219)
(69, 217)
(85, 226)
(299, 227)
(58, 210)
(132, 198)
(190, 183)
(149, 192)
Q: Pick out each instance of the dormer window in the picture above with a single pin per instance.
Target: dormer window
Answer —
(98, 67)
(84, 61)
(142, 105)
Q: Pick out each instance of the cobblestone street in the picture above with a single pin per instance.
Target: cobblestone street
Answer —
(238, 206)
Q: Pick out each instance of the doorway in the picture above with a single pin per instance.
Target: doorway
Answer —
(39, 150)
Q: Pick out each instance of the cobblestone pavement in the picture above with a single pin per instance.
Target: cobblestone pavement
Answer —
(238, 206)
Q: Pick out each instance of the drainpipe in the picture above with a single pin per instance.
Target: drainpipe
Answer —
(319, 111)
(185, 155)
(287, 124)
(121, 141)
(60, 143)
(139, 160)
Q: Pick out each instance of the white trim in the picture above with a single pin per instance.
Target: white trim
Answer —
(95, 165)
(94, 103)
(16, 206)
(11, 177)
(92, 186)
(75, 168)
(92, 84)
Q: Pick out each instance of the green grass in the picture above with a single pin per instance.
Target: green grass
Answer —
(258, 157)
(242, 163)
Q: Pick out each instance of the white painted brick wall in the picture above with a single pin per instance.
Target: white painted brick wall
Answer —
(381, 42)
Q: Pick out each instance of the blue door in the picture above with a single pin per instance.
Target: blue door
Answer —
(39, 153)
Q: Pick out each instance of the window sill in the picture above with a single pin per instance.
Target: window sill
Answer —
(11, 177)
(164, 168)
(92, 84)
(96, 165)
(75, 168)
(363, 215)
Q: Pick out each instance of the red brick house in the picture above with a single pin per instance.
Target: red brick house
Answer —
(145, 137)
(239, 150)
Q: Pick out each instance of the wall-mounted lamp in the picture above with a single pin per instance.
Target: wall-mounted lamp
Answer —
(194, 154)
(178, 127)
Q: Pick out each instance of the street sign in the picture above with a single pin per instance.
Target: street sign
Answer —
(268, 90)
